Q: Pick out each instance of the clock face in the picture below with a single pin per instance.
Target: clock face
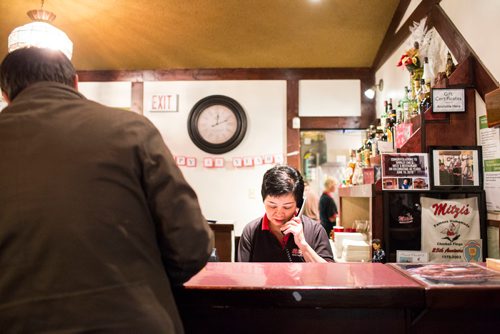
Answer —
(217, 124)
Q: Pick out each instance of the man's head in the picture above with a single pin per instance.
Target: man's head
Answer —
(282, 180)
(26, 66)
(330, 185)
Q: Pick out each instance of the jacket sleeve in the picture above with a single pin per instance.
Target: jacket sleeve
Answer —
(318, 240)
(184, 238)
(245, 244)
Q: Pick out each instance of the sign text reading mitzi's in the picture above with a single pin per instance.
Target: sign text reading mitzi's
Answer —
(446, 209)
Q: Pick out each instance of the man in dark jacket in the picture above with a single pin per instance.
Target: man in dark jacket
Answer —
(96, 220)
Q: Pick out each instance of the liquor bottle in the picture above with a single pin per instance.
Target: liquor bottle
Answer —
(392, 117)
(450, 66)
(415, 96)
(383, 117)
(399, 113)
(421, 92)
(426, 101)
(428, 74)
(389, 130)
(350, 167)
(405, 105)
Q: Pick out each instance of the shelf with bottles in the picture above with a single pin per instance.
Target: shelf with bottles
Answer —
(440, 129)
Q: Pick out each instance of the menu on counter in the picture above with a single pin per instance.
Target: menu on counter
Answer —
(451, 273)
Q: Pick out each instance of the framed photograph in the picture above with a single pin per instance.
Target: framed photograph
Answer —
(405, 171)
(456, 167)
(448, 100)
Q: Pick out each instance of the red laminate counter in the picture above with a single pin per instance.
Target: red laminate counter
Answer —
(299, 276)
(298, 297)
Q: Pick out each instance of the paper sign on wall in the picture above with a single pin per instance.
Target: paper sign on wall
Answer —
(406, 171)
(447, 226)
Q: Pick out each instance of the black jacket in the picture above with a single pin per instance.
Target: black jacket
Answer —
(96, 219)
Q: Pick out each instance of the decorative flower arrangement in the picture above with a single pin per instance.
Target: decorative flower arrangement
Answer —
(411, 59)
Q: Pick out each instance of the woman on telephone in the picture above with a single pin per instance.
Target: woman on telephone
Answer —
(283, 234)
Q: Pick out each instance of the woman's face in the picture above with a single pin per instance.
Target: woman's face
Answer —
(280, 209)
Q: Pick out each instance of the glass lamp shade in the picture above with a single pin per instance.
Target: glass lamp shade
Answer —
(42, 35)
(370, 93)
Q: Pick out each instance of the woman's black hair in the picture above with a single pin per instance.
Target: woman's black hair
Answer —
(282, 180)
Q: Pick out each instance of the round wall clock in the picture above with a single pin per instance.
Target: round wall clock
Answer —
(217, 124)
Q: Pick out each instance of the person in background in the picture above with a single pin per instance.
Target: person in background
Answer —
(457, 172)
(444, 175)
(327, 208)
(311, 205)
(281, 235)
(97, 222)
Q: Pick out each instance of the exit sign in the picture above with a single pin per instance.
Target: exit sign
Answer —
(164, 103)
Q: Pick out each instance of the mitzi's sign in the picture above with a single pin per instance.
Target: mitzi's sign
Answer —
(447, 209)
(447, 227)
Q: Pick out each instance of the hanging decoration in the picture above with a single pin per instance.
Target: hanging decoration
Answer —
(237, 162)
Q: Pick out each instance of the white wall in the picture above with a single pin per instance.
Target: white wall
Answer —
(329, 98)
(340, 142)
(114, 94)
(479, 23)
(411, 7)
(228, 193)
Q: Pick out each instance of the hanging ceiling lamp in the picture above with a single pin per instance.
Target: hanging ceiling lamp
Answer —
(40, 33)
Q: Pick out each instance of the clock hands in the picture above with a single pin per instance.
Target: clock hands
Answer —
(224, 121)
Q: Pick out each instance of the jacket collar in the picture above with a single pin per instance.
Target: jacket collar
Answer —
(45, 90)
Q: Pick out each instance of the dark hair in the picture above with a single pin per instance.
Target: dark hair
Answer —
(282, 180)
(376, 241)
(26, 66)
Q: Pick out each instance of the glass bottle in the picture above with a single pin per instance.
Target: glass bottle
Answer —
(428, 74)
(450, 66)
(405, 105)
(426, 101)
(399, 113)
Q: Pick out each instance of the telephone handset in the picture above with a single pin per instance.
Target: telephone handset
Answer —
(302, 205)
(300, 211)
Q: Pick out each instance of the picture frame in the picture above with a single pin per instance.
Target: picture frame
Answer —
(456, 167)
(445, 100)
(405, 171)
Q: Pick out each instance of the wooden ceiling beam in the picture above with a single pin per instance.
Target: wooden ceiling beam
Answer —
(361, 73)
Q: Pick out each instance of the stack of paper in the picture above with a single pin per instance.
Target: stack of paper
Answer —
(356, 251)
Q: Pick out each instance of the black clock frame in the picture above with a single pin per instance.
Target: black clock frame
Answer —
(231, 143)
